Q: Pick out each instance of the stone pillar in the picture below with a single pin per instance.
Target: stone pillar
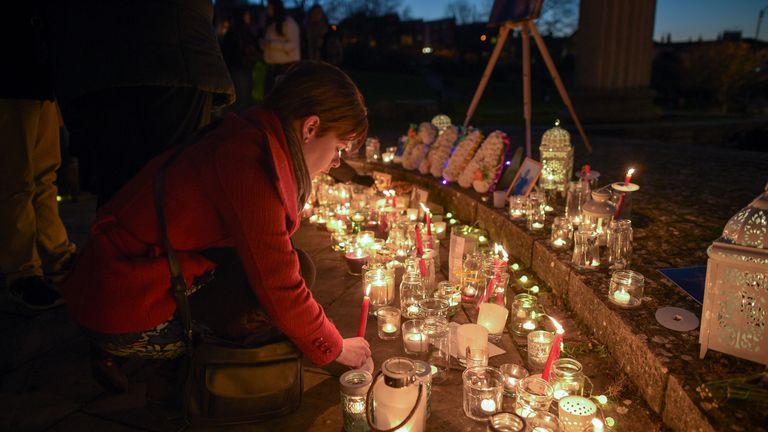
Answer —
(614, 52)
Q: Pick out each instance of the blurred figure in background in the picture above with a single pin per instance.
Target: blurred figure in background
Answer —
(241, 52)
(133, 77)
(316, 27)
(33, 240)
(281, 42)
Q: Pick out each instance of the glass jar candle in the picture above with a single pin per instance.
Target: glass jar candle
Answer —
(382, 282)
(414, 339)
(513, 373)
(524, 315)
(472, 277)
(451, 294)
(533, 394)
(586, 250)
(424, 376)
(438, 335)
(517, 204)
(535, 212)
(412, 214)
(539, 343)
(578, 194)
(483, 391)
(411, 291)
(470, 337)
(388, 322)
(626, 288)
(506, 422)
(567, 378)
(562, 230)
(354, 390)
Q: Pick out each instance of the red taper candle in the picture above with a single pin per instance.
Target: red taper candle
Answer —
(364, 312)
(554, 350)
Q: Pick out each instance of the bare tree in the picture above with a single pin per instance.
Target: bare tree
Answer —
(464, 12)
(559, 18)
(337, 10)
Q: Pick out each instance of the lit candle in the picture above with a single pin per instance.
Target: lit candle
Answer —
(355, 261)
(364, 312)
(628, 178)
(389, 328)
(428, 218)
(554, 351)
(558, 242)
(597, 425)
(413, 310)
(492, 317)
(529, 325)
(488, 406)
(621, 297)
(413, 214)
(537, 225)
(414, 342)
(470, 291)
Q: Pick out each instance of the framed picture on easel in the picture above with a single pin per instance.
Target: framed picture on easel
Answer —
(526, 178)
(514, 10)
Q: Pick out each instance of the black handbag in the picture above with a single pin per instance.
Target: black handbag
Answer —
(228, 383)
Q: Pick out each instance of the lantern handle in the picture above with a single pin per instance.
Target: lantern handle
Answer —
(368, 398)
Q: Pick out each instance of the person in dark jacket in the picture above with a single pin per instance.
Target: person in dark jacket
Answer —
(33, 240)
(133, 78)
(241, 51)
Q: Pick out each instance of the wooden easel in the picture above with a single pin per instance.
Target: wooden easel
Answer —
(527, 28)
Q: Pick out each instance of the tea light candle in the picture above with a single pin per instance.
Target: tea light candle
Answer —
(439, 229)
(537, 225)
(414, 340)
(488, 405)
(558, 242)
(622, 297)
(413, 309)
(388, 322)
(529, 325)
(365, 239)
(389, 328)
(470, 291)
(355, 261)
(413, 214)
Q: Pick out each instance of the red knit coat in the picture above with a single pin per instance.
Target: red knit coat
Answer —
(234, 188)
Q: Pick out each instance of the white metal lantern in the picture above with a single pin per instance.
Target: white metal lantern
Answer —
(597, 214)
(556, 158)
(736, 290)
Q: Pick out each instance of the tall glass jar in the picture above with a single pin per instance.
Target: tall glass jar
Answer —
(524, 314)
(354, 389)
(449, 293)
(578, 194)
(411, 291)
(439, 355)
(619, 242)
(382, 282)
(472, 277)
(586, 249)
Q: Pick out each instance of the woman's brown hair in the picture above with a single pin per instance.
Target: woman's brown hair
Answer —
(317, 88)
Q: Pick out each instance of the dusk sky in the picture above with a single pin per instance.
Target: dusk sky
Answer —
(683, 18)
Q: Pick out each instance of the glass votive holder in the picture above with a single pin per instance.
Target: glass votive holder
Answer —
(524, 315)
(450, 293)
(561, 232)
(535, 212)
(365, 239)
(513, 373)
(470, 335)
(433, 308)
(517, 205)
(483, 390)
(414, 339)
(576, 413)
(626, 288)
(586, 249)
(388, 322)
(354, 390)
(438, 335)
(506, 422)
(533, 394)
(477, 356)
(382, 282)
(543, 421)
(355, 261)
(412, 214)
(539, 343)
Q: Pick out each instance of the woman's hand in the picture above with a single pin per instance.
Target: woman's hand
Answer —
(355, 353)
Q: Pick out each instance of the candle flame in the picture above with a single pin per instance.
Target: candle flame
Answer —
(368, 290)
(597, 424)
(630, 172)
(359, 252)
(558, 328)
(425, 208)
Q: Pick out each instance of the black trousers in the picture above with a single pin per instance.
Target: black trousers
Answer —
(115, 132)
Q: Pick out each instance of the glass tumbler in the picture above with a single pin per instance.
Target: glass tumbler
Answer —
(524, 316)
(517, 205)
(354, 390)
(450, 293)
(382, 282)
(586, 249)
(411, 291)
(505, 422)
(483, 391)
(414, 339)
(513, 373)
(539, 344)
(433, 308)
(562, 231)
(535, 211)
(568, 379)
(388, 322)
(438, 335)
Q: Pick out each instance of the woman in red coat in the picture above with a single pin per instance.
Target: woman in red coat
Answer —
(232, 202)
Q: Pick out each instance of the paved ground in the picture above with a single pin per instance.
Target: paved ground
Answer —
(45, 383)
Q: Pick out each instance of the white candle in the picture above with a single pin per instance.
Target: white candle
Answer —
(492, 317)
(415, 342)
(413, 309)
(488, 405)
(413, 214)
(537, 225)
(621, 297)
(559, 242)
(389, 328)
(529, 325)
(470, 291)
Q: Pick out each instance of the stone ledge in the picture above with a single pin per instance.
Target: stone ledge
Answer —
(663, 364)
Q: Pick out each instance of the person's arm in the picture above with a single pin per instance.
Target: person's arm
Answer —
(255, 218)
(290, 38)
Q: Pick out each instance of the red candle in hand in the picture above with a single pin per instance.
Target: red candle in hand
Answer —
(364, 313)
(554, 351)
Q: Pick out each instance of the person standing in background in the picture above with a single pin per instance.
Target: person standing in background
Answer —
(281, 42)
(133, 77)
(316, 27)
(241, 51)
(33, 241)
